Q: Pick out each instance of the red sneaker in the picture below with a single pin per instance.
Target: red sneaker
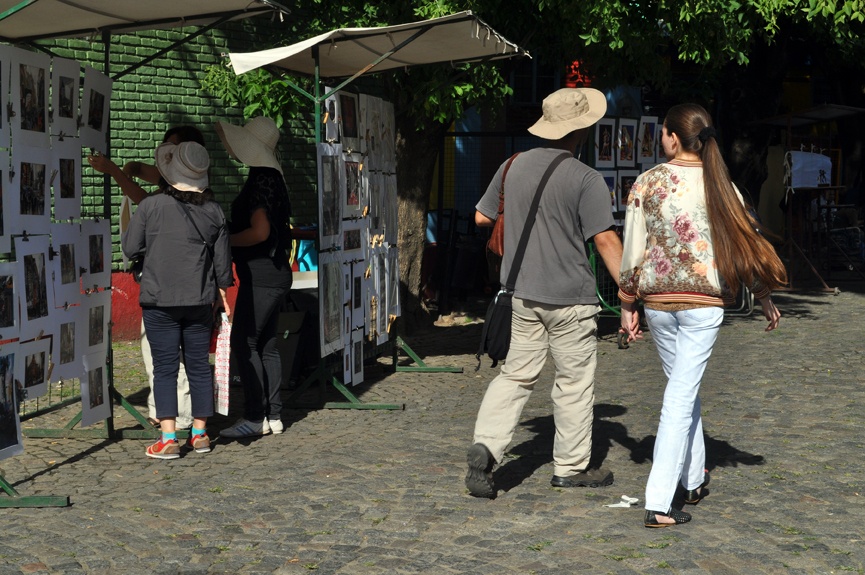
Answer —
(164, 449)
(200, 443)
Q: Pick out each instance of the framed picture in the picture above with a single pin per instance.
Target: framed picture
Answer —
(352, 240)
(393, 294)
(346, 350)
(646, 142)
(65, 179)
(68, 346)
(36, 297)
(357, 357)
(330, 118)
(95, 109)
(65, 87)
(611, 180)
(34, 359)
(7, 217)
(357, 293)
(331, 190)
(29, 97)
(31, 206)
(605, 140)
(626, 180)
(349, 134)
(351, 206)
(95, 403)
(9, 281)
(331, 302)
(66, 263)
(625, 142)
(10, 425)
(6, 53)
(380, 267)
(97, 313)
(96, 243)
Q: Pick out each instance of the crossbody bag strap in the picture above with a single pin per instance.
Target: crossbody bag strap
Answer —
(502, 191)
(530, 221)
(200, 235)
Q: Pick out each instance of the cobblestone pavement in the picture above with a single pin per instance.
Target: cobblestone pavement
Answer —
(368, 492)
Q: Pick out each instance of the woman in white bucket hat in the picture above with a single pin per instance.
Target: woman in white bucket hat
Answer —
(260, 243)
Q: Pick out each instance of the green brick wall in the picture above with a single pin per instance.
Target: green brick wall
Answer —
(166, 92)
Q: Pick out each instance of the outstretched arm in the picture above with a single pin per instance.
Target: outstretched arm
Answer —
(104, 165)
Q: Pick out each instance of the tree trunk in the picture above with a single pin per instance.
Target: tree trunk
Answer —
(417, 153)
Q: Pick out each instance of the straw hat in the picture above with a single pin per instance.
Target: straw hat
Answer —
(184, 166)
(253, 144)
(568, 110)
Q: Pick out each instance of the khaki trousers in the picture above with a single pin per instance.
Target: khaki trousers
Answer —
(569, 333)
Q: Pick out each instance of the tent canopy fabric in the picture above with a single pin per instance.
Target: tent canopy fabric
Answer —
(28, 20)
(457, 38)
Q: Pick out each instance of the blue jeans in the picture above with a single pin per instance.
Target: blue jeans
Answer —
(684, 340)
(169, 329)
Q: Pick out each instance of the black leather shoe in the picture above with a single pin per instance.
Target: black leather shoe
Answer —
(694, 496)
(678, 516)
(479, 478)
(591, 478)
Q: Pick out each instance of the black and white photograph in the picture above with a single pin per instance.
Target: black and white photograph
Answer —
(376, 197)
(372, 135)
(65, 240)
(380, 267)
(605, 142)
(67, 342)
(68, 346)
(96, 242)
(626, 156)
(349, 135)
(31, 367)
(29, 204)
(331, 189)
(95, 110)
(5, 242)
(390, 209)
(10, 425)
(95, 404)
(331, 302)
(8, 301)
(65, 163)
(65, 86)
(357, 357)
(96, 312)
(352, 238)
(357, 291)
(330, 118)
(35, 294)
(6, 53)
(346, 350)
(29, 74)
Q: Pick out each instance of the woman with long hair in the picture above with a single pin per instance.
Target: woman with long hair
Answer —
(689, 244)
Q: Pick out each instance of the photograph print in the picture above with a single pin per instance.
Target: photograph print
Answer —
(626, 180)
(32, 362)
(35, 294)
(68, 347)
(605, 142)
(351, 206)
(65, 179)
(29, 99)
(29, 202)
(330, 117)
(65, 85)
(96, 312)
(331, 303)
(380, 267)
(8, 301)
(357, 357)
(96, 243)
(6, 207)
(65, 264)
(611, 179)
(331, 190)
(349, 128)
(95, 404)
(95, 109)
(626, 142)
(647, 145)
(10, 425)
(6, 53)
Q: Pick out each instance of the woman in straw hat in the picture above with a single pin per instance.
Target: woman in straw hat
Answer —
(260, 242)
(689, 244)
(183, 278)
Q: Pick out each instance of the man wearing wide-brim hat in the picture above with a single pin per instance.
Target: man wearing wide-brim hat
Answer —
(555, 306)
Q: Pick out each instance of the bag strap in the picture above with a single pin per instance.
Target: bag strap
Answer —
(502, 191)
(206, 245)
(530, 222)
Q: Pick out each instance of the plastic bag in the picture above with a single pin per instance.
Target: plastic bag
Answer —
(221, 375)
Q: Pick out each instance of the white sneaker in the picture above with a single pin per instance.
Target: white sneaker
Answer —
(245, 428)
(276, 426)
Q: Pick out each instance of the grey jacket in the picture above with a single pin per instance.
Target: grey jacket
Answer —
(177, 266)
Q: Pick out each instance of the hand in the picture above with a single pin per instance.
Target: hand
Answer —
(101, 163)
(631, 322)
(770, 312)
(223, 302)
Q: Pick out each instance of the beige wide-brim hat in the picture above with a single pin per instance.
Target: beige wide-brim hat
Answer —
(569, 109)
(253, 144)
(184, 166)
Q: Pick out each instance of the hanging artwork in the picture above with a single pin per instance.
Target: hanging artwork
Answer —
(605, 140)
(648, 134)
(381, 327)
(346, 350)
(95, 404)
(6, 52)
(68, 346)
(8, 301)
(352, 239)
(95, 315)
(349, 135)
(95, 109)
(331, 190)
(388, 133)
(66, 263)
(376, 199)
(36, 298)
(6, 215)
(393, 282)
(362, 114)
(390, 208)
(330, 117)
(373, 134)
(65, 177)
(370, 298)
(65, 86)
(33, 361)
(626, 180)
(330, 289)
(96, 241)
(29, 75)
(10, 425)
(351, 206)
(357, 291)
(357, 357)
(627, 137)
(30, 199)
(610, 179)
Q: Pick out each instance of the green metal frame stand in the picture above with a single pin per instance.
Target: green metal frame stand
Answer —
(323, 375)
(17, 500)
(421, 366)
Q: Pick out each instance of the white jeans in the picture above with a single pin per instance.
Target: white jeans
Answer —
(684, 340)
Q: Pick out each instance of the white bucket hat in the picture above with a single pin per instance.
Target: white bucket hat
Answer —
(184, 166)
(569, 109)
(253, 144)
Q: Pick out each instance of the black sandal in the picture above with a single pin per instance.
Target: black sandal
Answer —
(694, 496)
(678, 516)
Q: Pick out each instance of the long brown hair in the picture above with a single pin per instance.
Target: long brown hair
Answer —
(741, 252)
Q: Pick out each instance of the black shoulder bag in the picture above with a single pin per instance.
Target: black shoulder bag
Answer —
(496, 335)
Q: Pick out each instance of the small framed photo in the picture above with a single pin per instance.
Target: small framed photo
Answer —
(626, 180)
(68, 346)
(357, 293)
(352, 239)
(30, 80)
(605, 143)
(65, 177)
(34, 359)
(95, 109)
(351, 205)
(646, 142)
(66, 263)
(96, 313)
(626, 138)
(10, 425)
(65, 87)
(96, 242)
(331, 190)
(95, 403)
(349, 128)
(611, 179)
(37, 297)
(331, 302)
(9, 281)
(31, 206)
